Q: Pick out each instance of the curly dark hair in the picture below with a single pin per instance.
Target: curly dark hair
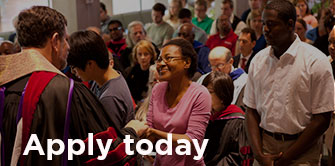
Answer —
(187, 51)
(37, 24)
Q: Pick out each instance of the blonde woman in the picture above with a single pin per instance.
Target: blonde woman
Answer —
(137, 75)
(254, 21)
(172, 17)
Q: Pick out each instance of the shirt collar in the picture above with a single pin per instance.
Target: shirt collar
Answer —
(292, 50)
(231, 19)
(246, 57)
(229, 34)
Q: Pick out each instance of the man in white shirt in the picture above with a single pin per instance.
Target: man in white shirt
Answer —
(289, 94)
(246, 42)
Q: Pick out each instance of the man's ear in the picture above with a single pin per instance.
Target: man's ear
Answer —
(111, 62)
(55, 41)
(291, 24)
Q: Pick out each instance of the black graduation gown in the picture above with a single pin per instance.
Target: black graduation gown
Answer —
(224, 143)
(87, 116)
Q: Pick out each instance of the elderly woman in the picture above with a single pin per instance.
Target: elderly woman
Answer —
(172, 17)
(137, 75)
(254, 21)
(178, 105)
(227, 140)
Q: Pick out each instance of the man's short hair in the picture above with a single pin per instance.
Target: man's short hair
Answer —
(201, 3)
(37, 24)
(159, 7)
(115, 22)
(251, 32)
(103, 6)
(284, 8)
(87, 45)
(184, 13)
(231, 3)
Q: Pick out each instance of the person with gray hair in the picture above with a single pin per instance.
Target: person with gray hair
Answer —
(136, 33)
(289, 93)
(221, 60)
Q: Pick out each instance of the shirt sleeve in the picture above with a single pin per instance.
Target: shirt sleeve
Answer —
(169, 33)
(150, 110)
(116, 110)
(199, 117)
(249, 91)
(322, 87)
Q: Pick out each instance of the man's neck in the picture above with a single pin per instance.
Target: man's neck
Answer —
(281, 49)
(105, 75)
(200, 19)
(247, 53)
(224, 34)
(160, 23)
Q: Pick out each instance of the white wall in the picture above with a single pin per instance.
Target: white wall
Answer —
(69, 10)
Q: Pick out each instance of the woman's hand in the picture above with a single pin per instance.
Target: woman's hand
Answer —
(150, 135)
(138, 126)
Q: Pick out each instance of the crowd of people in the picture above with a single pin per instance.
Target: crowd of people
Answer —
(259, 87)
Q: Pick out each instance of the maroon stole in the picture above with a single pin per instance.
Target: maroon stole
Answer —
(35, 87)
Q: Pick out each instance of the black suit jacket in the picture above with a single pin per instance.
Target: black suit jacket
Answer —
(237, 60)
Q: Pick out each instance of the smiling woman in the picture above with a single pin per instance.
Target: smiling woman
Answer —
(178, 105)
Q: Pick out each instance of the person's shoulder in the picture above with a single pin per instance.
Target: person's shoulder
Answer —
(197, 88)
(211, 37)
(310, 51)
(159, 86)
(262, 55)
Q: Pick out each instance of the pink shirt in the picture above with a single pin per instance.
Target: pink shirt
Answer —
(190, 116)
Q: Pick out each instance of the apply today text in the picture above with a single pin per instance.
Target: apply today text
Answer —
(183, 148)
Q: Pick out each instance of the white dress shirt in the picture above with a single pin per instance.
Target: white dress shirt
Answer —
(286, 92)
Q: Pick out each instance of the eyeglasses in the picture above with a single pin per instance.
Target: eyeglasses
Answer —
(115, 29)
(218, 66)
(167, 59)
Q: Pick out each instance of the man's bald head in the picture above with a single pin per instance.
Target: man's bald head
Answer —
(221, 59)
(186, 32)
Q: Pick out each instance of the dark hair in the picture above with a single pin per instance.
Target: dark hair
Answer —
(184, 13)
(37, 24)
(251, 32)
(187, 51)
(159, 7)
(103, 6)
(302, 22)
(231, 3)
(284, 8)
(223, 86)
(201, 3)
(87, 45)
(328, 20)
(115, 22)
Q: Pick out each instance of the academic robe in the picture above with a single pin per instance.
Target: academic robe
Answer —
(87, 116)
